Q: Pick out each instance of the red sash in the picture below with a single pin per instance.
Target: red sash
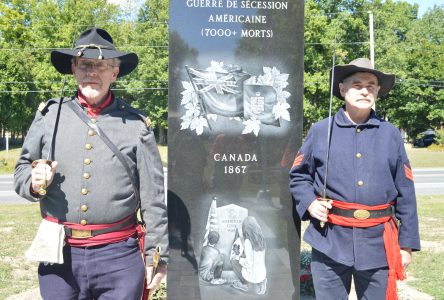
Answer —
(108, 238)
(391, 244)
(141, 236)
(119, 235)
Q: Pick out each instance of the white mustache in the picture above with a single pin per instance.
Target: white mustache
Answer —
(90, 80)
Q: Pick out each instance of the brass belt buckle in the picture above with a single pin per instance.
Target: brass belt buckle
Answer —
(361, 214)
(81, 234)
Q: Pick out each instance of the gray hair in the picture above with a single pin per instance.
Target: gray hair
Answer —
(116, 61)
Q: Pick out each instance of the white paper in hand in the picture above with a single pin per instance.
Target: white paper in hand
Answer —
(47, 246)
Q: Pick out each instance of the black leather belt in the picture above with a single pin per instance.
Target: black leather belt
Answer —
(362, 213)
(82, 234)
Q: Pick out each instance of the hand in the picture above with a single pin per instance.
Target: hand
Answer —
(42, 175)
(406, 258)
(153, 283)
(318, 209)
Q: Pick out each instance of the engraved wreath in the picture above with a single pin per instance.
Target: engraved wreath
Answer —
(228, 91)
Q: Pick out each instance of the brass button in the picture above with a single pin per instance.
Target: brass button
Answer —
(84, 191)
(83, 222)
(88, 146)
(358, 155)
(86, 175)
(122, 106)
(94, 110)
(358, 130)
(93, 120)
(360, 183)
(87, 161)
(91, 132)
(84, 207)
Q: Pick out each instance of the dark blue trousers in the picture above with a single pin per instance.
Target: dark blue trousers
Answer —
(332, 280)
(106, 272)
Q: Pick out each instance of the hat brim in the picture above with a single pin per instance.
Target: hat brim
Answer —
(62, 59)
(385, 81)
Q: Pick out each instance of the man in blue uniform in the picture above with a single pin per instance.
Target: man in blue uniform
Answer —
(105, 165)
(351, 228)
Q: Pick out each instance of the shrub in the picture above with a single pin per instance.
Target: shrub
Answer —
(434, 147)
(440, 136)
(160, 293)
(305, 277)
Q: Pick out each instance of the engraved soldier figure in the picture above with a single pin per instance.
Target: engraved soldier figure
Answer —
(355, 195)
(211, 261)
(103, 165)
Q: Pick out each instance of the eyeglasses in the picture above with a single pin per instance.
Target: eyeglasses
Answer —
(100, 66)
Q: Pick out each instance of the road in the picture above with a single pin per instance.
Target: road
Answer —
(428, 181)
(8, 195)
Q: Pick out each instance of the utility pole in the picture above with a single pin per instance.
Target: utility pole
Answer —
(372, 44)
(372, 40)
(7, 141)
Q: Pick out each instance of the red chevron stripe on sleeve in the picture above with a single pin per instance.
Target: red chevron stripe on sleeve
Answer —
(298, 160)
(408, 172)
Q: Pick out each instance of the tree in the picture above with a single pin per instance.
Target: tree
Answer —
(418, 103)
(151, 31)
(404, 45)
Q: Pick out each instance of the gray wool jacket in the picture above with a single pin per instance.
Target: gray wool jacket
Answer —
(91, 184)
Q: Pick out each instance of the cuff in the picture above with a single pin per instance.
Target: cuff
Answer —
(37, 196)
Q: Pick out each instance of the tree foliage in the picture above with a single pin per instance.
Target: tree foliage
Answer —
(29, 30)
(407, 45)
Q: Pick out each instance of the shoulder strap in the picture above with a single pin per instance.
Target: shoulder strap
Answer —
(44, 106)
(81, 114)
(129, 108)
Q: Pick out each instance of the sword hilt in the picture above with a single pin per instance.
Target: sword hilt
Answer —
(42, 189)
(322, 223)
(156, 259)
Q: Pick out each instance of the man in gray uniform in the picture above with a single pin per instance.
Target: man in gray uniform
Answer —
(103, 165)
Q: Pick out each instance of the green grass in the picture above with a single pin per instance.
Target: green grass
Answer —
(427, 268)
(163, 154)
(8, 160)
(425, 158)
(18, 224)
(419, 158)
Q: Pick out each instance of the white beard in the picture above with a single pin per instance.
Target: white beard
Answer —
(90, 93)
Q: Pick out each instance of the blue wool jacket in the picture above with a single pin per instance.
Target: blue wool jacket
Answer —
(367, 165)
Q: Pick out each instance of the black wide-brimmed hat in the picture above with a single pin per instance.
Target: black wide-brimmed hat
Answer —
(94, 43)
(385, 80)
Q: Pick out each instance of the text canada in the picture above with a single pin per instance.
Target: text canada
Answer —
(234, 157)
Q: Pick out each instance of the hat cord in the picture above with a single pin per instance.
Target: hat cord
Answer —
(84, 47)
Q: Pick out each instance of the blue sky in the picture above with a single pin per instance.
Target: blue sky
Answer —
(424, 5)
